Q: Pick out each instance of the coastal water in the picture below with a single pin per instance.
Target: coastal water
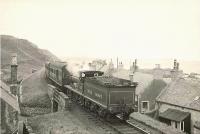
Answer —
(187, 66)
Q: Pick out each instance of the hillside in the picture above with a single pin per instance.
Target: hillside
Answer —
(29, 56)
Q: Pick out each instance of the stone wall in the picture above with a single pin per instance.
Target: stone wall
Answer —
(9, 118)
(59, 100)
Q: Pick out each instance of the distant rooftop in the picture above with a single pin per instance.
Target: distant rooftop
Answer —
(143, 79)
(184, 92)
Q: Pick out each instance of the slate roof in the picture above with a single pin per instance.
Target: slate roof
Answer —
(183, 92)
(197, 124)
(174, 115)
(146, 120)
(58, 64)
(7, 97)
(152, 91)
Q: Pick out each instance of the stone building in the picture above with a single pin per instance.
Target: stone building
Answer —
(179, 105)
(9, 110)
(9, 100)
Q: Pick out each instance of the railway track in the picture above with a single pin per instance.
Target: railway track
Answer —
(97, 121)
(123, 128)
(127, 127)
(116, 126)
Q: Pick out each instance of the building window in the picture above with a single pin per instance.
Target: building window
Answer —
(175, 124)
(182, 125)
(145, 106)
(136, 98)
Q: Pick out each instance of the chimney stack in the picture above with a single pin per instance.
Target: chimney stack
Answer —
(135, 65)
(117, 62)
(131, 78)
(175, 63)
(14, 86)
(157, 66)
(14, 69)
(177, 66)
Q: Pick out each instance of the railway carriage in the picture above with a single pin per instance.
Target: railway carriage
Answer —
(57, 73)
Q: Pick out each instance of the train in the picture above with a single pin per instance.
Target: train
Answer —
(105, 95)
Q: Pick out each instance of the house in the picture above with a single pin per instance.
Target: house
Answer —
(148, 97)
(151, 125)
(179, 105)
(9, 110)
(147, 90)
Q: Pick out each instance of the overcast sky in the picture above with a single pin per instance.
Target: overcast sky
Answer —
(129, 29)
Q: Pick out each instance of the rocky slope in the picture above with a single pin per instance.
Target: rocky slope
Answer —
(29, 56)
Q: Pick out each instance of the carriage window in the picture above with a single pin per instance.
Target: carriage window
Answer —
(57, 74)
(82, 74)
(95, 74)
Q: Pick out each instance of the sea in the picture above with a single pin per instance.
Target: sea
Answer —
(188, 66)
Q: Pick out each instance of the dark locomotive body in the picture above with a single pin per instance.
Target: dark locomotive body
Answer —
(101, 94)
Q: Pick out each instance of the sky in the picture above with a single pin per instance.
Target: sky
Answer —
(107, 28)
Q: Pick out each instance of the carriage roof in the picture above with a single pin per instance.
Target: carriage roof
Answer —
(58, 64)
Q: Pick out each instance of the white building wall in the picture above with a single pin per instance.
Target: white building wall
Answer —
(196, 131)
(195, 115)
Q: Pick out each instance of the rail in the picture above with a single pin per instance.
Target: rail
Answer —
(139, 128)
(134, 125)
(15, 131)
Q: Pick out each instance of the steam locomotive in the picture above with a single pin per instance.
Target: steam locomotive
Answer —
(102, 94)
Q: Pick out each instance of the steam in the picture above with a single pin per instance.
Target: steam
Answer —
(75, 68)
